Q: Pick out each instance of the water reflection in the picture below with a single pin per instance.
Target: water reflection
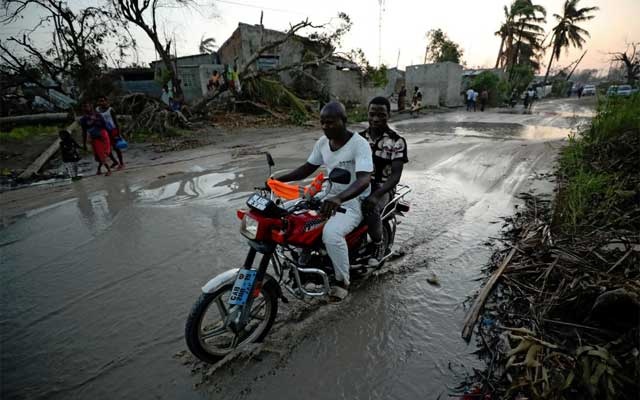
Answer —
(487, 130)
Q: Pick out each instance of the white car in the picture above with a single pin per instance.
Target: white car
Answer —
(589, 90)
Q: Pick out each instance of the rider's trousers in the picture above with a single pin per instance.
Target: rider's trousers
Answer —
(373, 217)
(333, 236)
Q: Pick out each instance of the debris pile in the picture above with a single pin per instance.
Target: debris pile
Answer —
(559, 316)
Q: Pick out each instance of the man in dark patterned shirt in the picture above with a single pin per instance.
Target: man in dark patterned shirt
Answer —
(389, 156)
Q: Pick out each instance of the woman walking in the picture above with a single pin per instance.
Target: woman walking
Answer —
(94, 129)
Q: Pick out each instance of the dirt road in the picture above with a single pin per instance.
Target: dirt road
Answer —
(98, 276)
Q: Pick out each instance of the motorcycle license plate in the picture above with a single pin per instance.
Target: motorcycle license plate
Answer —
(242, 287)
(258, 202)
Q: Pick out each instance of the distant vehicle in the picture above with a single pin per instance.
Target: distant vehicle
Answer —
(589, 90)
(624, 90)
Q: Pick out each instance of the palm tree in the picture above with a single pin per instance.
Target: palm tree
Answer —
(567, 33)
(207, 45)
(520, 29)
(506, 33)
(528, 22)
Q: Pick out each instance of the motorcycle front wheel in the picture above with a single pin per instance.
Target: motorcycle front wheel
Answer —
(206, 334)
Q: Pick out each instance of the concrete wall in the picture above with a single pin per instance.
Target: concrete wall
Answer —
(191, 86)
(446, 77)
(346, 85)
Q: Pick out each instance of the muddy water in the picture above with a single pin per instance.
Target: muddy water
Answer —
(95, 289)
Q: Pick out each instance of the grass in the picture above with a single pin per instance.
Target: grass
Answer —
(29, 131)
(357, 114)
(600, 168)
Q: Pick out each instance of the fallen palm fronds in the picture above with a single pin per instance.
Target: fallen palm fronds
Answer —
(562, 321)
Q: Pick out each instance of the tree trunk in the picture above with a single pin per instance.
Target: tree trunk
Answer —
(500, 52)
(165, 56)
(516, 53)
(553, 50)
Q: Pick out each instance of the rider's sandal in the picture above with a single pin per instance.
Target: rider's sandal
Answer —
(338, 294)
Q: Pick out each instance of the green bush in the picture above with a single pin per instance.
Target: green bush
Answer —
(489, 81)
(600, 167)
(520, 76)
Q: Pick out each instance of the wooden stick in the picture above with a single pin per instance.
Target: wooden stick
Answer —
(620, 260)
(474, 312)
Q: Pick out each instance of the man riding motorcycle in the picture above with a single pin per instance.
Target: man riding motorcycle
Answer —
(339, 148)
(389, 151)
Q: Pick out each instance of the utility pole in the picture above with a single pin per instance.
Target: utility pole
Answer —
(380, 11)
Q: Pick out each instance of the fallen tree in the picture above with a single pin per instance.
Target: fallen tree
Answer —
(321, 47)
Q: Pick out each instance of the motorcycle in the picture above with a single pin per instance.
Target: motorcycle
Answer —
(239, 306)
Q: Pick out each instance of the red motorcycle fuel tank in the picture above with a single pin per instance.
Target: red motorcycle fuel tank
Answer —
(304, 229)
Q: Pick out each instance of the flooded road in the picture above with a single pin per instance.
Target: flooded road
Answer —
(95, 288)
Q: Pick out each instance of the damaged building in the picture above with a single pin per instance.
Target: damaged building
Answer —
(335, 77)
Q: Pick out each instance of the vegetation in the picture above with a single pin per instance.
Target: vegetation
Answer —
(357, 114)
(440, 48)
(562, 323)
(370, 74)
(28, 131)
(601, 168)
(630, 59)
(521, 34)
(76, 52)
(207, 46)
(567, 33)
(489, 81)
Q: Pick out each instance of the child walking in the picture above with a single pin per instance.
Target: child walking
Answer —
(70, 156)
(111, 123)
(94, 129)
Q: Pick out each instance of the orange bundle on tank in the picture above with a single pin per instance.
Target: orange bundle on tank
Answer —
(291, 192)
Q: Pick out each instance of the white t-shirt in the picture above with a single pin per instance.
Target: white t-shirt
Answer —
(475, 96)
(354, 156)
(470, 93)
(108, 118)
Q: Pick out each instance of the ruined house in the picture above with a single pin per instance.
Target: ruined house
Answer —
(337, 77)
(193, 72)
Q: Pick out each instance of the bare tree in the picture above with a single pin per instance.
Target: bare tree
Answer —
(75, 50)
(144, 14)
(630, 58)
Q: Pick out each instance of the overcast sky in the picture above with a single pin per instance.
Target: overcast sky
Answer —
(471, 23)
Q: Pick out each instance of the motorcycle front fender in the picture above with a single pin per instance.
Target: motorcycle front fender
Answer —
(228, 278)
(225, 278)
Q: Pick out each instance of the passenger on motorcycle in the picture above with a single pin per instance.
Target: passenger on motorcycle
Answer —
(339, 148)
(389, 152)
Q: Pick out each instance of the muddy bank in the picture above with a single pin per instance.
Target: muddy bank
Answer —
(563, 318)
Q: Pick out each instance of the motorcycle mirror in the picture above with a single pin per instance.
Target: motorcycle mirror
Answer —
(270, 160)
(339, 175)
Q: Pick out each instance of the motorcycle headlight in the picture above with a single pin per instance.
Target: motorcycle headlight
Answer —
(249, 227)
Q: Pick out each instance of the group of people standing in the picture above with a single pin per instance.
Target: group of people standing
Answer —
(473, 96)
(416, 99)
(227, 79)
(100, 127)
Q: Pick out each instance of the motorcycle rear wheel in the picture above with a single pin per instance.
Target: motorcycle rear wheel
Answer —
(210, 341)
